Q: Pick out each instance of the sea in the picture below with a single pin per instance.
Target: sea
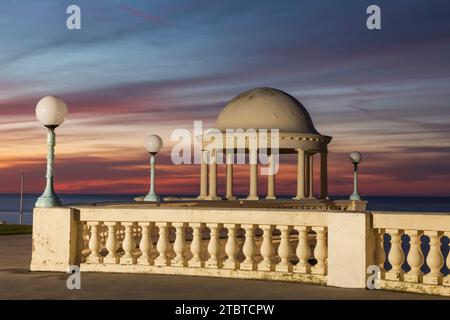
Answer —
(10, 203)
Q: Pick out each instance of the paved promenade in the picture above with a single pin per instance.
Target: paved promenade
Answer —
(17, 282)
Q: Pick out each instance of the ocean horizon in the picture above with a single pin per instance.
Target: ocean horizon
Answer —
(10, 203)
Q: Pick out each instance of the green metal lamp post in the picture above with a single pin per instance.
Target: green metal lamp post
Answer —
(51, 112)
(356, 158)
(153, 144)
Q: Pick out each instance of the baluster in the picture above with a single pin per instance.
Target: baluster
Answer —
(179, 245)
(284, 250)
(196, 245)
(213, 247)
(415, 257)
(396, 255)
(380, 254)
(303, 250)
(146, 244)
(447, 278)
(163, 244)
(249, 248)
(320, 251)
(94, 243)
(128, 244)
(267, 250)
(232, 248)
(111, 244)
(435, 259)
(81, 239)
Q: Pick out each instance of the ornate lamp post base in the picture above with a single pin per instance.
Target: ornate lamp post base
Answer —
(152, 197)
(355, 197)
(48, 202)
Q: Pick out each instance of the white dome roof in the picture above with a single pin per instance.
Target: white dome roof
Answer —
(266, 108)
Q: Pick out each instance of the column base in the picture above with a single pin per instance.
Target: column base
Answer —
(48, 202)
(266, 266)
(235, 265)
(298, 198)
(230, 197)
(213, 198)
(196, 264)
(110, 260)
(284, 268)
(202, 197)
(271, 198)
(252, 198)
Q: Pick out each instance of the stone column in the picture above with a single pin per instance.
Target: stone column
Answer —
(229, 161)
(203, 176)
(306, 174)
(271, 179)
(213, 176)
(323, 174)
(311, 175)
(253, 159)
(300, 174)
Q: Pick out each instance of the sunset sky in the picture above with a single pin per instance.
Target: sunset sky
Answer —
(141, 67)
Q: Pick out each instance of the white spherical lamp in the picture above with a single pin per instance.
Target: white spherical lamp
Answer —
(51, 111)
(355, 157)
(153, 143)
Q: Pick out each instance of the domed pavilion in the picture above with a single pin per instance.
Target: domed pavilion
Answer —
(258, 113)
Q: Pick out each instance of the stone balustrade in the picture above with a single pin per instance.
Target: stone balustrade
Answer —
(331, 247)
(410, 252)
(187, 242)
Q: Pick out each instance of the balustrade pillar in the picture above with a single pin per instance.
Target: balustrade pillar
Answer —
(231, 248)
(196, 245)
(163, 244)
(111, 244)
(446, 280)
(146, 244)
(379, 254)
(396, 255)
(128, 244)
(267, 250)
(303, 250)
(81, 241)
(94, 243)
(179, 245)
(249, 248)
(415, 257)
(435, 259)
(213, 247)
(284, 250)
(320, 251)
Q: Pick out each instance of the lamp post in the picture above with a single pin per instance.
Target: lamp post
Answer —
(51, 112)
(153, 144)
(356, 158)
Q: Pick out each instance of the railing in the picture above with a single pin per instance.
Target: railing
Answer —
(411, 250)
(185, 241)
(332, 247)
